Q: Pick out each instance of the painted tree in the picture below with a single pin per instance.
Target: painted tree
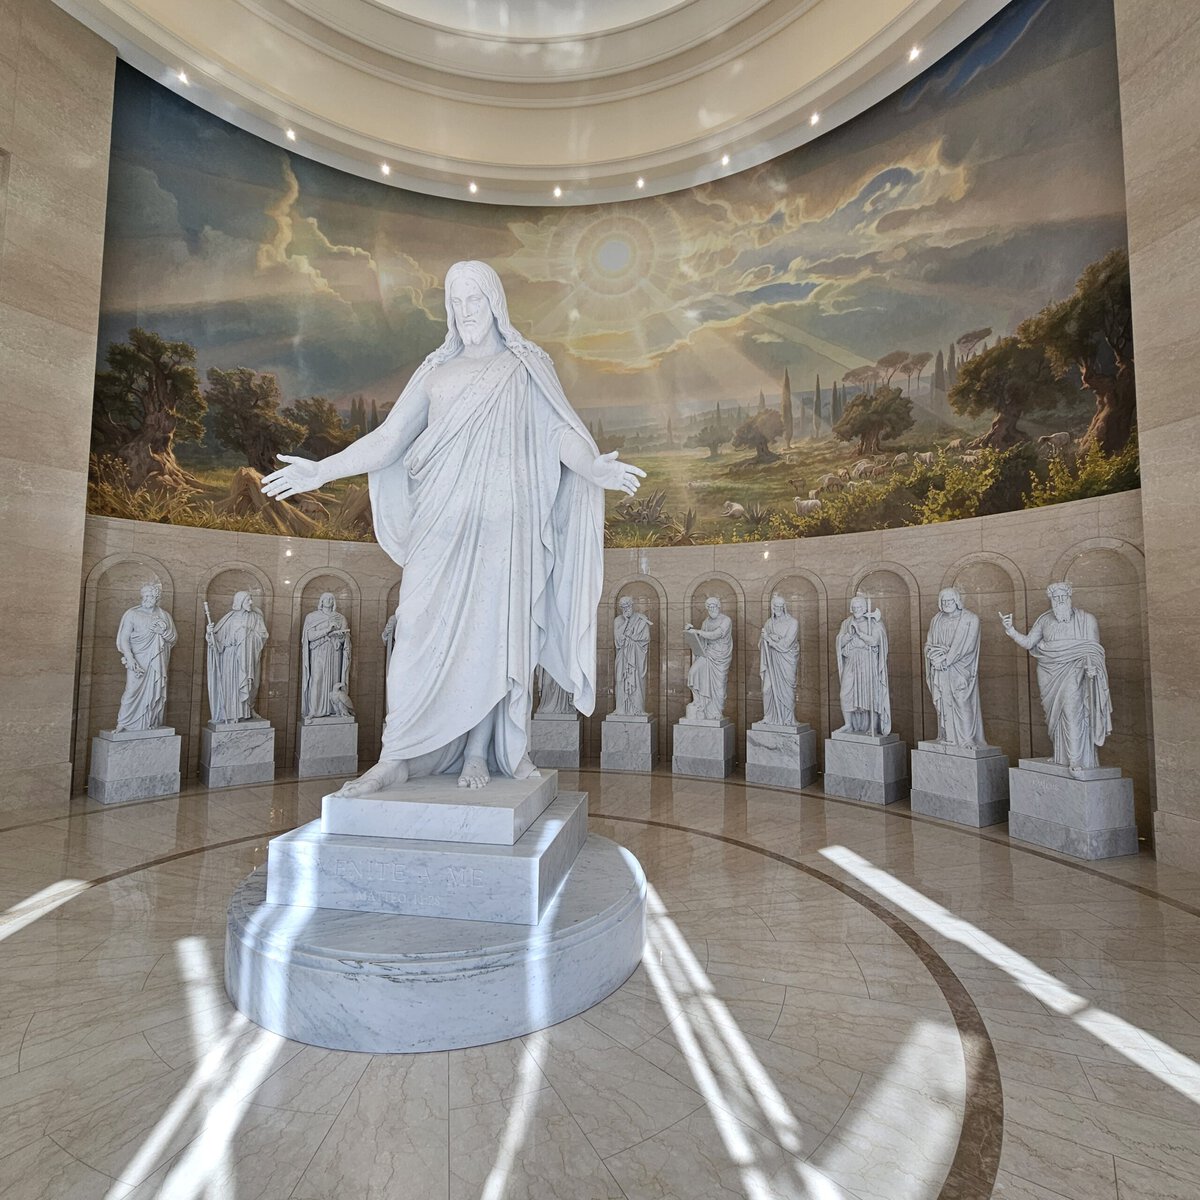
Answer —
(785, 408)
(670, 436)
(890, 363)
(373, 419)
(712, 436)
(762, 400)
(967, 342)
(875, 418)
(951, 369)
(939, 373)
(1011, 379)
(835, 405)
(1091, 334)
(816, 421)
(917, 364)
(248, 419)
(757, 433)
(146, 400)
(325, 431)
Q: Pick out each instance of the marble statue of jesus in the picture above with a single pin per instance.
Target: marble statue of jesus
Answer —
(488, 490)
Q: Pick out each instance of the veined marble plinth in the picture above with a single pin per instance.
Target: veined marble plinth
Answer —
(134, 765)
(235, 753)
(436, 808)
(465, 881)
(866, 766)
(628, 743)
(967, 784)
(554, 740)
(380, 983)
(327, 746)
(1086, 818)
(781, 755)
(703, 747)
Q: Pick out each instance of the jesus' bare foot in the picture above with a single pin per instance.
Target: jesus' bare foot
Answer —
(384, 774)
(526, 769)
(474, 773)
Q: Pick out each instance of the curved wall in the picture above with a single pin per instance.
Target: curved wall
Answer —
(1002, 562)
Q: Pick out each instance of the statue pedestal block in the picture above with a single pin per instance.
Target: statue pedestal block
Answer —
(134, 765)
(1085, 818)
(554, 740)
(234, 753)
(435, 808)
(866, 766)
(628, 742)
(327, 746)
(781, 755)
(467, 881)
(703, 748)
(967, 784)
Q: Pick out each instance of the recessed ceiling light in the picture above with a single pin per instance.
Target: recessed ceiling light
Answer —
(291, 135)
(641, 182)
(557, 193)
(472, 187)
(182, 76)
(385, 168)
(814, 119)
(724, 160)
(914, 54)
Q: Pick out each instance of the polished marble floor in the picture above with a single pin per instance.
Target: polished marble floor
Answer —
(835, 1001)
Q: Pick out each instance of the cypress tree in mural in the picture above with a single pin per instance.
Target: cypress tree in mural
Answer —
(717, 422)
(374, 418)
(835, 405)
(785, 408)
(670, 436)
(937, 402)
(951, 370)
(762, 400)
(816, 425)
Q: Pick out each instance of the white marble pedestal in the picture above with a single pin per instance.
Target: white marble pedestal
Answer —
(134, 765)
(866, 766)
(554, 740)
(967, 784)
(703, 748)
(405, 944)
(781, 755)
(234, 753)
(327, 746)
(1086, 818)
(628, 742)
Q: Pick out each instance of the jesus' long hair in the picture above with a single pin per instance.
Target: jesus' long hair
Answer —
(488, 282)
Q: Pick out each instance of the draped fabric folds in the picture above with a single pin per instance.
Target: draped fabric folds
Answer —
(502, 550)
(145, 637)
(234, 663)
(955, 688)
(862, 652)
(1073, 682)
(779, 657)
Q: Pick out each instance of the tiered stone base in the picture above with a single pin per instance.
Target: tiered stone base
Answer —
(703, 748)
(863, 766)
(327, 746)
(235, 753)
(628, 743)
(554, 741)
(134, 765)
(1086, 818)
(781, 755)
(967, 784)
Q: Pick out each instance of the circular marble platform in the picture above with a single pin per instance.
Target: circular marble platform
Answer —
(393, 984)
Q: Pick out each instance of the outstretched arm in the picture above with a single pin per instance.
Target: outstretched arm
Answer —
(605, 470)
(372, 452)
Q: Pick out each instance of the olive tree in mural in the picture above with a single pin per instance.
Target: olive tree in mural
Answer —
(325, 431)
(886, 413)
(758, 432)
(147, 399)
(247, 416)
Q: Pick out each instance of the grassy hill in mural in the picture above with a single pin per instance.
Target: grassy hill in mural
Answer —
(1042, 416)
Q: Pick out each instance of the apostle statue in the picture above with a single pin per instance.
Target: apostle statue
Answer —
(325, 660)
(553, 700)
(952, 670)
(235, 646)
(1072, 678)
(144, 638)
(712, 652)
(487, 488)
(631, 640)
(862, 651)
(389, 638)
(778, 659)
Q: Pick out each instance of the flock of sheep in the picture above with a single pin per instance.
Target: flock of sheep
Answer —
(867, 469)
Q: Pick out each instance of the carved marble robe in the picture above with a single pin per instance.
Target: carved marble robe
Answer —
(708, 676)
(778, 659)
(862, 650)
(235, 663)
(631, 637)
(325, 651)
(145, 636)
(1078, 705)
(502, 550)
(955, 688)
(552, 699)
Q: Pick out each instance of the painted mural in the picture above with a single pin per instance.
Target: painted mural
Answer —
(920, 316)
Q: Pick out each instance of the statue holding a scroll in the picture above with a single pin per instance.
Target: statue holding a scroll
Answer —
(712, 654)
(325, 660)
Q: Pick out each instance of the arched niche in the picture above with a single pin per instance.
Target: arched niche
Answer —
(806, 601)
(306, 594)
(992, 584)
(111, 588)
(893, 591)
(650, 599)
(1107, 578)
(733, 604)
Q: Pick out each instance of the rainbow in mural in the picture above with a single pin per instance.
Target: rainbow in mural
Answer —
(920, 316)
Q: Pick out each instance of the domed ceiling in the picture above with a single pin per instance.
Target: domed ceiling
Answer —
(535, 101)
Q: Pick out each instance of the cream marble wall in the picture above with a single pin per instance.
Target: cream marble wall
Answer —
(1001, 562)
(56, 82)
(1158, 49)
